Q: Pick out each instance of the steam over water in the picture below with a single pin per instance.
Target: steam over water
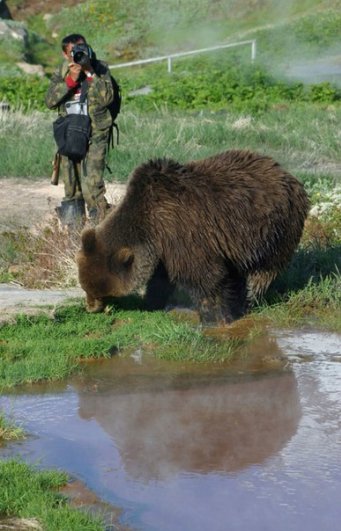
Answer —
(201, 448)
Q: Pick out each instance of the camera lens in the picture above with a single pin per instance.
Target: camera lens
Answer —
(80, 54)
(79, 58)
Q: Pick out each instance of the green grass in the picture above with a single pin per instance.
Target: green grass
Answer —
(29, 493)
(318, 304)
(8, 431)
(303, 137)
(40, 348)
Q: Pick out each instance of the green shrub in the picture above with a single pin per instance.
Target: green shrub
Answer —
(25, 92)
(200, 84)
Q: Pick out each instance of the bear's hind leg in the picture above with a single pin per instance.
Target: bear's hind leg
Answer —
(234, 296)
(159, 289)
(228, 304)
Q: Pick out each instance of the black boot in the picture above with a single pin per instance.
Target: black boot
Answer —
(72, 213)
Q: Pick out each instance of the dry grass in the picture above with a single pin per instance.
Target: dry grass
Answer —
(41, 259)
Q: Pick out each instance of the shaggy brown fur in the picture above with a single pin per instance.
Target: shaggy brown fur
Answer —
(217, 226)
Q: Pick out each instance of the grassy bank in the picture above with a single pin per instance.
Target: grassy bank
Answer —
(308, 292)
(40, 348)
(28, 493)
(43, 348)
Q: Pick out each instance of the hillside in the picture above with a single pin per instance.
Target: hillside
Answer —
(121, 30)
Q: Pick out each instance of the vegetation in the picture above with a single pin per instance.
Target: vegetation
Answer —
(27, 492)
(8, 431)
(41, 348)
(317, 304)
(116, 28)
(204, 82)
(39, 260)
(301, 136)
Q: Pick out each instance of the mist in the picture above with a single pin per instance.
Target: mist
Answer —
(290, 46)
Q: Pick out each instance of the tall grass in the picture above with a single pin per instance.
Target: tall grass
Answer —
(304, 138)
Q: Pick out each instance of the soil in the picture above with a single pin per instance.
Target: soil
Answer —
(25, 203)
(31, 204)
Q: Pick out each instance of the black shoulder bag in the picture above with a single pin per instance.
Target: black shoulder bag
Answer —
(72, 132)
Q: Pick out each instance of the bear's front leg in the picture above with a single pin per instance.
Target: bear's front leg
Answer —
(159, 289)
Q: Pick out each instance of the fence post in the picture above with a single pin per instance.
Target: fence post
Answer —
(253, 51)
(169, 61)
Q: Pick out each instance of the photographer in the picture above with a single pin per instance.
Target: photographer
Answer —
(83, 181)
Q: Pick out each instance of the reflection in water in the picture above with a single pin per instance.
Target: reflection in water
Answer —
(213, 426)
(252, 445)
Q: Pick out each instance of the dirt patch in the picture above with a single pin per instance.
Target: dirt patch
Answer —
(27, 204)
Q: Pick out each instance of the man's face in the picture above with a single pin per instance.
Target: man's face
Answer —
(69, 47)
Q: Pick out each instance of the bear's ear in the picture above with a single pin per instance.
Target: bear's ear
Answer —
(89, 241)
(126, 256)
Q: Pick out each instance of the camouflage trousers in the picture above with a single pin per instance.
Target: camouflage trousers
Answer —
(85, 179)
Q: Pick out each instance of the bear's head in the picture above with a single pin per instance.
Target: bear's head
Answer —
(101, 274)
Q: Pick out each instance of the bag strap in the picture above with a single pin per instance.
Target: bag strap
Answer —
(84, 91)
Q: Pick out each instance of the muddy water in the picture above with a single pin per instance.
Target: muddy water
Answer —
(251, 446)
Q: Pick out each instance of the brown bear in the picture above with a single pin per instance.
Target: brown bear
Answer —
(222, 227)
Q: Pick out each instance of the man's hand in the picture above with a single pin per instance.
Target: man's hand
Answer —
(74, 71)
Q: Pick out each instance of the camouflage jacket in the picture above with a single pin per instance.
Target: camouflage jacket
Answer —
(100, 94)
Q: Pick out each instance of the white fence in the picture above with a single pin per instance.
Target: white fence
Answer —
(170, 57)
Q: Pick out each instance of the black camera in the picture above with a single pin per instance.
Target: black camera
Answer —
(81, 54)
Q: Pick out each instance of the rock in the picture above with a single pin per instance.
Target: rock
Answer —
(35, 70)
(16, 30)
(141, 92)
